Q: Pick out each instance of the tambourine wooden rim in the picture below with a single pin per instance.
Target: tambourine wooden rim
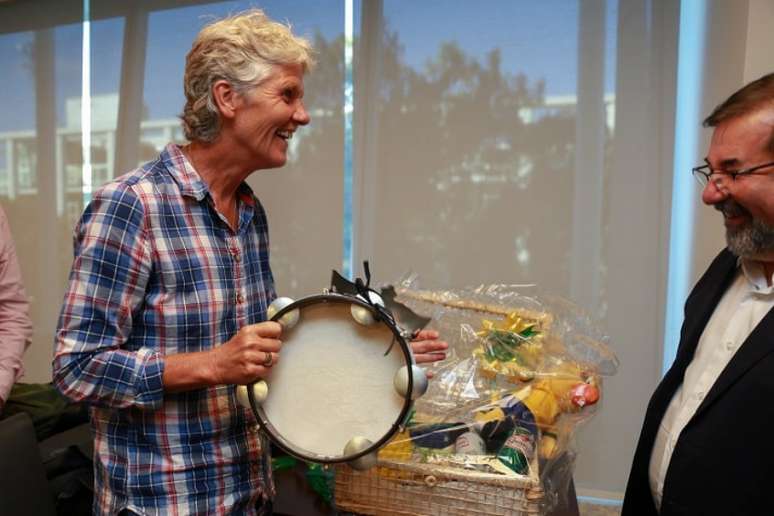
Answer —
(275, 436)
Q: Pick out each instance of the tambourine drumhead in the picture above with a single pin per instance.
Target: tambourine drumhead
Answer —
(333, 382)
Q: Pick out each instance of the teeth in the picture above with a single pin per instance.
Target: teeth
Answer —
(285, 134)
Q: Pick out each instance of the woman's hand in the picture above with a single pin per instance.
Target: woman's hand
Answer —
(427, 348)
(248, 355)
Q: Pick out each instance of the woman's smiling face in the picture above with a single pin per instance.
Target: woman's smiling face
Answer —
(267, 115)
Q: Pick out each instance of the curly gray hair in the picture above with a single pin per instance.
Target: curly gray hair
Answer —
(240, 49)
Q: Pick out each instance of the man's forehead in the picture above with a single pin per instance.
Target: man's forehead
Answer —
(738, 138)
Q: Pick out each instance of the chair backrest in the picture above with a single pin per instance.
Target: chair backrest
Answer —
(24, 488)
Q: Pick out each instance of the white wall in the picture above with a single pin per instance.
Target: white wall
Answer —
(759, 56)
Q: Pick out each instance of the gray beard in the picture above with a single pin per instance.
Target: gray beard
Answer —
(752, 240)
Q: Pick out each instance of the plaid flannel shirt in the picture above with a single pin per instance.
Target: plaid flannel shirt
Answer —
(158, 271)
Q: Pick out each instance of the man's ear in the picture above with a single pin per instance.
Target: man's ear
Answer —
(226, 98)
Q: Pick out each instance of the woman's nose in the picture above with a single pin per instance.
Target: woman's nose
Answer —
(302, 115)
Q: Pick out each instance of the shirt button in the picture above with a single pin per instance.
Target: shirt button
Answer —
(730, 346)
(239, 298)
(700, 395)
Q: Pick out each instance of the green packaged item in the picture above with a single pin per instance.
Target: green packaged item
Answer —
(517, 450)
(321, 480)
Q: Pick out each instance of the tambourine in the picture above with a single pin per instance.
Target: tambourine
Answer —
(344, 384)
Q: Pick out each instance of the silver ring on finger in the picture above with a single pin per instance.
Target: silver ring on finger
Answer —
(269, 360)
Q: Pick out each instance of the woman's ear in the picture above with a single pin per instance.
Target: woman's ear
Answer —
(225, 97)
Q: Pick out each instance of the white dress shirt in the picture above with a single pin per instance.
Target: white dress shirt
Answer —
(741, 308)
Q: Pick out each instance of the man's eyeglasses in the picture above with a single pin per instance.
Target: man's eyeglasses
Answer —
(704, 173)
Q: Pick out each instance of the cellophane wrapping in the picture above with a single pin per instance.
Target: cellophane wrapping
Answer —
(523, 372)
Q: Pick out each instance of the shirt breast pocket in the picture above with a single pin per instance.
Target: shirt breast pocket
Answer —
(192, 294)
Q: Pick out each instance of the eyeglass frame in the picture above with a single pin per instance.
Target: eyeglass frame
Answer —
(704, 178)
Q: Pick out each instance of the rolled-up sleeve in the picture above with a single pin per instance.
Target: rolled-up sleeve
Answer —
(15, 325)
(107, 286)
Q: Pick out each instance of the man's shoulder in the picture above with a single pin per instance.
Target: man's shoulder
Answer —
(723, 263)
(716, 276)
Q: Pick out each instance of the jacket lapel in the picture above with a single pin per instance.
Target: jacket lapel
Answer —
(759, 344)
(702, 302)
(698, 309)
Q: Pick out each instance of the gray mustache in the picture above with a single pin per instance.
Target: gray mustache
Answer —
(731, 208)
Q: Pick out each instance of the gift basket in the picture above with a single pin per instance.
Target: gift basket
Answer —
(494, 432)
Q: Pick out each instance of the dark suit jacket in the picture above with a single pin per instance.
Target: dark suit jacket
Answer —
(723, 461)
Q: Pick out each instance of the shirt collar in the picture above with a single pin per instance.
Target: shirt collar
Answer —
(186, 177)
(756, 279)
(189, 180)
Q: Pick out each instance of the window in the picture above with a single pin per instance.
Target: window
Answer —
(523, 142)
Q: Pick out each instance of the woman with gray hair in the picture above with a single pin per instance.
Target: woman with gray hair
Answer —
(166, 304)
(244, 51)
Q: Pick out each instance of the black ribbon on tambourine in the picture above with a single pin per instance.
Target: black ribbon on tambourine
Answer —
(392, 311)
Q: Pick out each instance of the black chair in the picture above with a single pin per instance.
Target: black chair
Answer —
(24, 489)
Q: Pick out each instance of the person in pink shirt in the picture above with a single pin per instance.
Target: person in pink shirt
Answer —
(15, 324)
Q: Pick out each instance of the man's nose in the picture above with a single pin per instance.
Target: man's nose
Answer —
(715, 191)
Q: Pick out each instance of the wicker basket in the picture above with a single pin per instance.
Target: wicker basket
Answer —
(397, 488)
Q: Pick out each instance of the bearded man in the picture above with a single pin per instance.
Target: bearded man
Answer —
(706, 445)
